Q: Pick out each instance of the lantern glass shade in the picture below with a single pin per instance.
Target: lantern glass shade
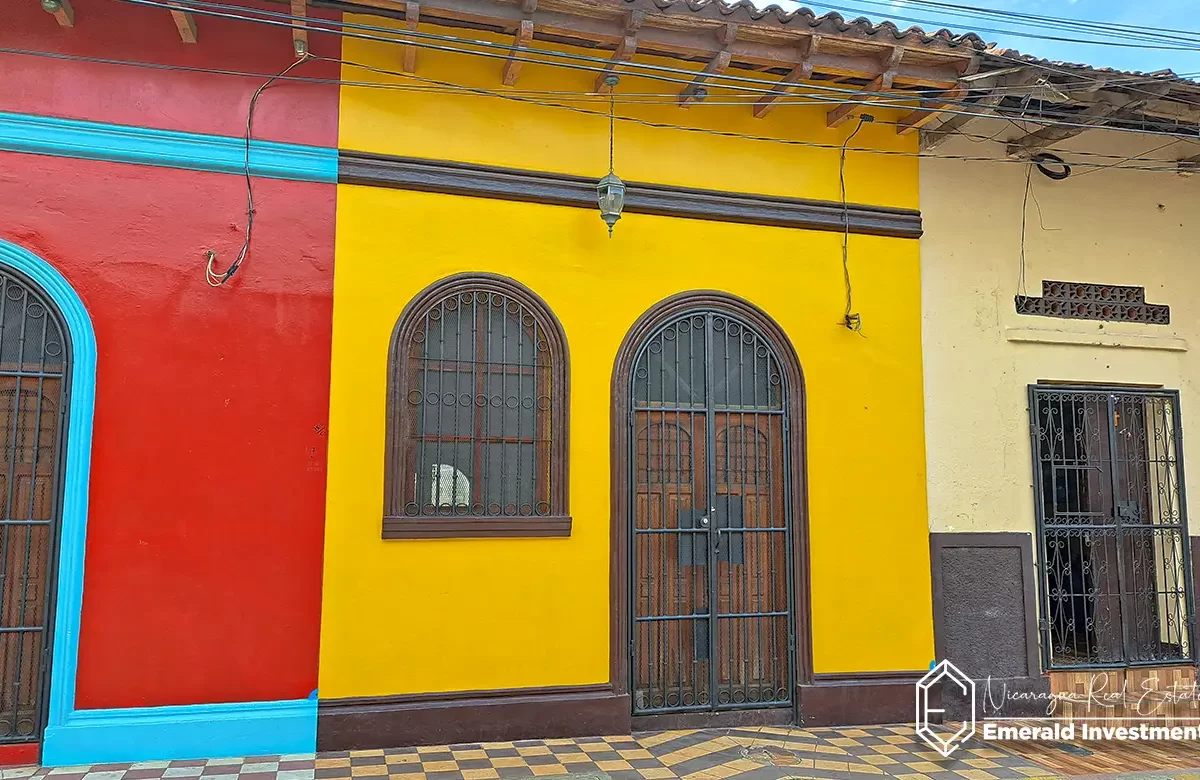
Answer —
(610, 194)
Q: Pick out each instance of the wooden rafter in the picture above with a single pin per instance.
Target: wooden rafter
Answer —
(1006, 83)
(300, 30)
(984, 106)
(715, 67)
(625, 49)
(412, 16)
(186, 24)
(1093, 115)
(839, 115)
(930, 108)
(802, 72)
(512, 66)
(1105, 105)
(63, 12)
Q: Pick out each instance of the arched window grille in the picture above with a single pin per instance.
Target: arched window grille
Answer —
(477, 414)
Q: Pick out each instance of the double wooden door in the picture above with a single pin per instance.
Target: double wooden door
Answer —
(711, 557)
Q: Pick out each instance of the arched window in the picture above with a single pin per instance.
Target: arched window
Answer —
(477, 414)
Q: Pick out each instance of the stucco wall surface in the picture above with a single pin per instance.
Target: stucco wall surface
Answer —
(1109, 226)
(443, 615)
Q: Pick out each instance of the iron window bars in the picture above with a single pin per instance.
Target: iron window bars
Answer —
(476, 420)
(34, 367)
(1114, 558)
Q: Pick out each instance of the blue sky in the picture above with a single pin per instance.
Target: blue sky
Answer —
(1154, 14)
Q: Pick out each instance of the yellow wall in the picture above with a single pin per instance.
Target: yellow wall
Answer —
(1111, 227)
(418, 616)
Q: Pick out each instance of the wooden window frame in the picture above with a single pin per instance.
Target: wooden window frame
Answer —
(398, 444)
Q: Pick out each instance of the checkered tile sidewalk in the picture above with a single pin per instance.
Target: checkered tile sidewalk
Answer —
(767, 753)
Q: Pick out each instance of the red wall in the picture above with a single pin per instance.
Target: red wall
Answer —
(205, 528)
(168, 99)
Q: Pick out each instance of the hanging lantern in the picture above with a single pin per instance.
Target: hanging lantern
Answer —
(610, 191)
(610, 194)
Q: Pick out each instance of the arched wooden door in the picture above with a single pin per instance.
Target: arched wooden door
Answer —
(34, 363)
(710, 495)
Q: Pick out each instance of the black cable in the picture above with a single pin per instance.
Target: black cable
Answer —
(1043, 161)
(852, 320)
(214, 278)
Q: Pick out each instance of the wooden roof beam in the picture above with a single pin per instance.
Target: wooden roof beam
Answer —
(185, 23)
(1108, 105)
(984, 106)
(802, 72)
(61, 10)
(300, 30)
(412, 17)
(1092, 116)
(715, 67)
(512, 66)
(930, 108)
(625, 50)
(839, 115)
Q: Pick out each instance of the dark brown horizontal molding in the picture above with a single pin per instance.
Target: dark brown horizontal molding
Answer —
(560, 189)
(765, 716)
(858, 698)
(471, 716)
(474, 527)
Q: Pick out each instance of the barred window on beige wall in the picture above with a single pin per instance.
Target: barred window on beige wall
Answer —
(477, 414)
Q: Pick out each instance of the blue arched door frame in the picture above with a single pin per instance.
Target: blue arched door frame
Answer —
(186, 731)
(77, 463)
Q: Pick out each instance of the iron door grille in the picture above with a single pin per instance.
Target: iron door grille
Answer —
(1114, 558)
(710, 549)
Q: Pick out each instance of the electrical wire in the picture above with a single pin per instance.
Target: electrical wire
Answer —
(1106, 29)
(1118, 163)
(219, 278)
(1024, 209)
(852, 319)
(700, 130)
(442, 86)
(510, 52)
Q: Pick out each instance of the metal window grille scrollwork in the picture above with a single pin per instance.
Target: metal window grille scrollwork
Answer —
(1114, 554)
(477, 388)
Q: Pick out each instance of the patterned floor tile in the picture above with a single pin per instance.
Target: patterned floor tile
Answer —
(748, 753)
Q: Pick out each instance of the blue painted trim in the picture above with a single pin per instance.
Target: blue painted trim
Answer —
(91, 736)
(191, 731)
(77, 465)
(167, 148)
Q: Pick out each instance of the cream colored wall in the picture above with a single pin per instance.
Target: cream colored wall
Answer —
(1108, 226)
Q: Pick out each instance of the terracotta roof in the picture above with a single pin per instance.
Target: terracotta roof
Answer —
(831, 23)
(1009, 57)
